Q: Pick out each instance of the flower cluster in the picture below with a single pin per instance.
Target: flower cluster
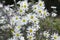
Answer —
(40, 10)
(21, 19)
(24, 21)
(53, 36)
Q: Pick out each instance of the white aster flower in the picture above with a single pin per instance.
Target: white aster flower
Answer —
(31, 30)
(31, 17)
(30, 37)
(24, 5)
(17, 34)
(40, 11)
(41, 4)
(54, 36)
(24, 20)
(44, 14)
(46, 34)
(35, 8)
(21, 11)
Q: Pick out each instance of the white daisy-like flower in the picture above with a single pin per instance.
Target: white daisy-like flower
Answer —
(31, 17)
(54, 36)
(46, 34)
(31, 30)
(44, 14)
(24, 20)
(40, 11)
(24, 5)
(30, 37)
(35, 8)
(17, 34)
(41, 4)
(21, 11)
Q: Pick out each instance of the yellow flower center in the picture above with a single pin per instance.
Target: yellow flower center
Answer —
(30, 30)
(18, 26)
(35, 20)
(55, 37)
(44, 13)
(17, 34)
(31, 17)
(24, 20)
(16, 18)
(24, 5)
(20, 10)
(34, 7)
(40, 4)
(30, 37)
(40, 11)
